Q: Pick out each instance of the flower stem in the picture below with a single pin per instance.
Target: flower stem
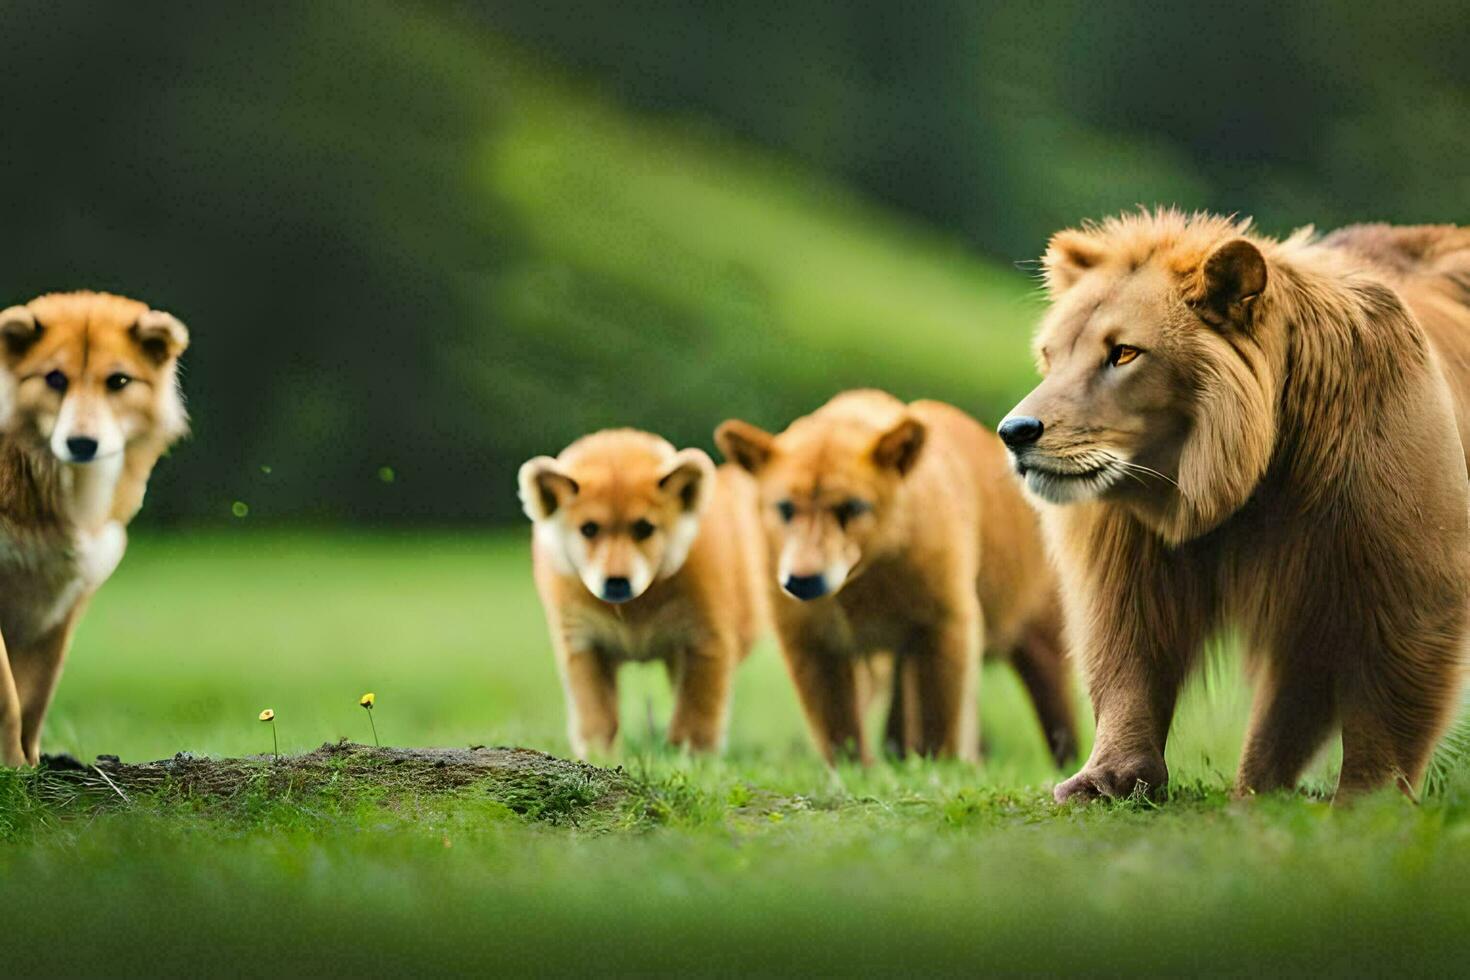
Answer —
(375, 730)
(275, 745)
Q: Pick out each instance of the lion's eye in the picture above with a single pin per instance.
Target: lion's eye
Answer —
(1121, 354)
(642, 530)
(117, 381)
(787, 510)
(851, 508)
(56, 381)
(589, 530)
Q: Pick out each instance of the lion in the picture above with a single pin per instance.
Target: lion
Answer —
(1236, 431)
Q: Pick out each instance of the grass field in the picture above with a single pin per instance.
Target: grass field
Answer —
(759, 862)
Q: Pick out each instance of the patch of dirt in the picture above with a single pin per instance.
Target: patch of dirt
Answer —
(529, 782)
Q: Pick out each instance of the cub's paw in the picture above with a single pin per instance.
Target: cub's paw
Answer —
(1144, 776)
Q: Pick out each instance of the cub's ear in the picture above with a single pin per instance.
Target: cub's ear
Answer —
(745, 445)
(544, 488)
(899, 447)
(1069, 254)
(19, 331)
(1228, 284)
(688, 478)
(161, 335)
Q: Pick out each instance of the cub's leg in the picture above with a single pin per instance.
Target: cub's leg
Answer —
(826, 683)
(11, 753)
(875, 678)
(945, 666)
(37, 670)
(896, 740)
(1295, 708)
(702, 682)
(591, 685)
(1043, 668)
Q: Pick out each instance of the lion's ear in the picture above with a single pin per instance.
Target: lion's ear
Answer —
(1069, 254)
(1229, 281)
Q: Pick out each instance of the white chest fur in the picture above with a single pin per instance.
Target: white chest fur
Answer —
(88, 490)
(45, 573)
(98, 554)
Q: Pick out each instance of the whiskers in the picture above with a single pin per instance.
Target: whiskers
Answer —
(1106, 459)
(1133, 470)
(1086, 474)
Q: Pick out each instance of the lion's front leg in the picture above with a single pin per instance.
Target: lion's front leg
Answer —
(1136, 663)
(1128, 755)
(1295, 706)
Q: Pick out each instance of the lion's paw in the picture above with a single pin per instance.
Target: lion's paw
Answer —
(1143, 775)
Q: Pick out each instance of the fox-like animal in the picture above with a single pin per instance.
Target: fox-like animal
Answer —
(642, 552)
(899, 529)
(94, 403)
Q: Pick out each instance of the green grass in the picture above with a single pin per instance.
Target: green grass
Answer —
(759, 862)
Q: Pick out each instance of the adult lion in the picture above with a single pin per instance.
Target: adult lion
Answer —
(1258, 434)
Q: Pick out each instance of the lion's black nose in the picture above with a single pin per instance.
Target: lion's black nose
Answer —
(806, 586)
(1020, 431)
(617, 589)
(81, 448)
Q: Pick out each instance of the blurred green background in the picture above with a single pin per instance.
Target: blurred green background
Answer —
(420, 242)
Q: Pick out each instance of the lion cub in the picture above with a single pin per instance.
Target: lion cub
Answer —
(644, 553)
(899, 529)
(96, 402)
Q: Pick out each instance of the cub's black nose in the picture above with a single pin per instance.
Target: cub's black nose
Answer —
(81, 448)
(1022, 430)
(617, 590)
(806, 586)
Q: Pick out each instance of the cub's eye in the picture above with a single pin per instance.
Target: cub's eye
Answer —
(56, 381)
(117, 381)
(786, 510)
(1122, 354)
(642, 530)
(589, 530)
(851, 508)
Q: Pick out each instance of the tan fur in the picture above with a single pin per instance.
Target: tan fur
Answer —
(1283, 457)
(941, 558)
(698, 614)
(62, 523)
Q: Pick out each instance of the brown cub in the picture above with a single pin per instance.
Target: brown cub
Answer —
(95, 403)
(1236, 431)
(644, 553)
(897, 529)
